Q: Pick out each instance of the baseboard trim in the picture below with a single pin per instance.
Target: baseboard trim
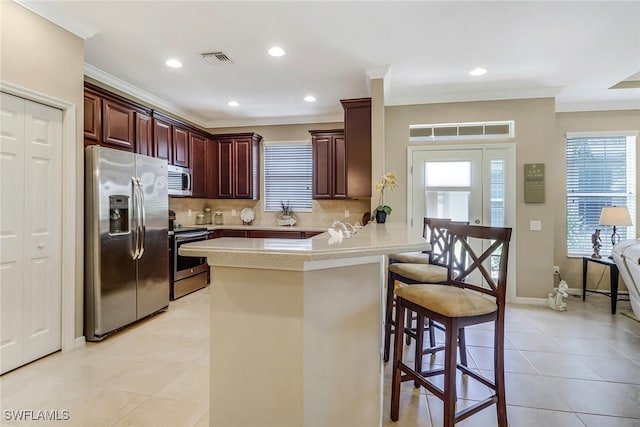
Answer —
(79, 342)
(529, 301)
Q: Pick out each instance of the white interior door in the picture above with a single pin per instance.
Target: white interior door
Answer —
(472, 183)
(30, 230)
(446, 184)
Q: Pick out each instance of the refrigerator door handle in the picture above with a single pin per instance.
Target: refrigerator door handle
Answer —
(143, 216)
(137, 218)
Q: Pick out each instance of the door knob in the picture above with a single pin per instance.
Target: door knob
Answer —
(40, 245)
(477, 221)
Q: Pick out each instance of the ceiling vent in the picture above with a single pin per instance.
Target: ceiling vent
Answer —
(215, 58)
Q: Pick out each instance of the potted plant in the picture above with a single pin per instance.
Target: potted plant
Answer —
(286, 216)
(388, 181)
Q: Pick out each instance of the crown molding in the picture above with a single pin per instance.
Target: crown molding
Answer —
(448, 97)
(71, 24)
(576, 107)
(271, 121)
(117, 83)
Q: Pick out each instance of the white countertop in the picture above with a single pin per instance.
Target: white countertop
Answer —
(294, 254)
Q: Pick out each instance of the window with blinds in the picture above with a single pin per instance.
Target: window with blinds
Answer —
(600, 172)
(287, 176)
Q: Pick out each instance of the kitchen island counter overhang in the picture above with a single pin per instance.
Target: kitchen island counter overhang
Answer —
(296, 326)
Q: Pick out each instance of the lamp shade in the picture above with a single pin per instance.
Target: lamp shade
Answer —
(615, 215)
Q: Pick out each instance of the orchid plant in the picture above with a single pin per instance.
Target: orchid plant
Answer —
(389, 181)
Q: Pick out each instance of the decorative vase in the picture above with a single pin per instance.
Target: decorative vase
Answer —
(381, 217)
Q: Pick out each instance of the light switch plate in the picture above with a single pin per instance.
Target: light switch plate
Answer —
(535, 225)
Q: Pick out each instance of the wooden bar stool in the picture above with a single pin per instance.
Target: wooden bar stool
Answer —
(473, 294)
(434, 271)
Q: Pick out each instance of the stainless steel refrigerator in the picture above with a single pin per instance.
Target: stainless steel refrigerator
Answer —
(126, 245)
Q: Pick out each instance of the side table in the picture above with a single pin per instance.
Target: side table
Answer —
(613, 278)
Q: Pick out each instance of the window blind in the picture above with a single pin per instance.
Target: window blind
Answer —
(287, 176)
(600, 172)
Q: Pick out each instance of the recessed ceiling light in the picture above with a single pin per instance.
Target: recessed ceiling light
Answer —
(173, 63)
(233, 104)
(276, 51)
(310, 98)
(478, 72)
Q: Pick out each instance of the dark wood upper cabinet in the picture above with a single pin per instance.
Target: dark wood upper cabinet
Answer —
(116, 122)
(357, 134)
(162, 139)
(92, 117)
(342, 159)
(198, 165)
(211, 168)
(237, 164)
(118, 128)
(144, 134)
(224, 173)
(329, 153)
(180, 146)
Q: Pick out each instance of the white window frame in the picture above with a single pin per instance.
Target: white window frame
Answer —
(267, 202)
(585, 247)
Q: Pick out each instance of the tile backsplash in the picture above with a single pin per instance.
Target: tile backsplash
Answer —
(323, 211)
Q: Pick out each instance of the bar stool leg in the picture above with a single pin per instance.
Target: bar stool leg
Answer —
(397, 359)
(388, 317)
(450, 367)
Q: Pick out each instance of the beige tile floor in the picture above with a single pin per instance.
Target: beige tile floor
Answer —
(574, 368)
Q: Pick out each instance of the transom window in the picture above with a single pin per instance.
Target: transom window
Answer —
(288, 170)
(601, 171)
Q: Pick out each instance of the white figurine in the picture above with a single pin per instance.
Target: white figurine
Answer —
(555, 300)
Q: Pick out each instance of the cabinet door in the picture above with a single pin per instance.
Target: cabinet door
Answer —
(339, 181)
(162, 139)
(268, 234)
(92, 117)
(357, 132)
(118, 127)
(224, 177)
(211, 168)
(322, 167)
(232, 233)
(198, 171)
(144, 134)
(180, 147)
(242, 162)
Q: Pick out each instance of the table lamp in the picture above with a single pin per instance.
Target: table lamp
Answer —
(615, 216)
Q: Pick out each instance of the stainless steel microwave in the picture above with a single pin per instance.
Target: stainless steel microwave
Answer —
(179, 181)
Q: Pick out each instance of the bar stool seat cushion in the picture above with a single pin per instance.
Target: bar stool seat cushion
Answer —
(421, 273)
(411, 257)
(449, 301)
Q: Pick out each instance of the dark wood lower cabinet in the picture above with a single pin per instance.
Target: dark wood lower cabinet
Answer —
(263, 234)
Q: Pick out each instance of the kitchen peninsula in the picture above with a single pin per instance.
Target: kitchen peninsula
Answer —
(296, 327)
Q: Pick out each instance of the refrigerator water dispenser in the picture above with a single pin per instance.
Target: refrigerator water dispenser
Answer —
(118, 214)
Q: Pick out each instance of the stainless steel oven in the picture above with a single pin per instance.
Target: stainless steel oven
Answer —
(188, 274)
